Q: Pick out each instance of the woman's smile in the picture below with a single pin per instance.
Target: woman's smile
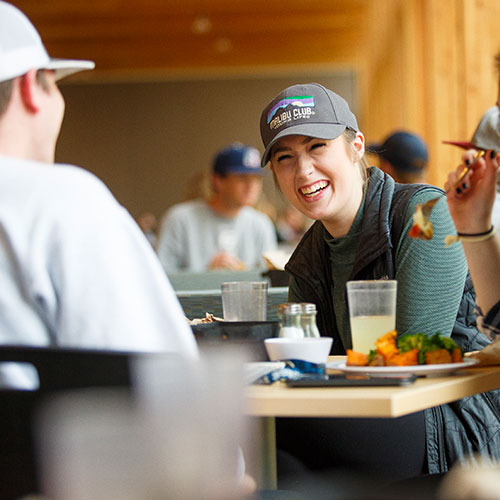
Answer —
(314, 189)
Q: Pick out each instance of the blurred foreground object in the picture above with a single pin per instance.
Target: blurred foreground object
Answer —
(489, 355)
(476, 479)
(177, 436)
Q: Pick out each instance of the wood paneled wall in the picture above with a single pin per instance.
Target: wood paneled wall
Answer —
(422, 65)
(432, 73)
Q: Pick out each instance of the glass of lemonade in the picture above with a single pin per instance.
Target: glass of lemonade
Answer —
(372, 311)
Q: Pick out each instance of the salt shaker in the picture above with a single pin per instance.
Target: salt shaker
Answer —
(291, 326)
(308, 320)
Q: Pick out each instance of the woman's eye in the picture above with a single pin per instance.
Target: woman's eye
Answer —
(283, 157)
(318, 145)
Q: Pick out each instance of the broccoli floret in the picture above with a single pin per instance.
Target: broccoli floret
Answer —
(411, 341)
(437, 341)
(424, 343)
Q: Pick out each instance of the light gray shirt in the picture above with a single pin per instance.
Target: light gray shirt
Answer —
(76, 270)
(192, 233)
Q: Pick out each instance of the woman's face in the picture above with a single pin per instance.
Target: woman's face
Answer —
(320, 178)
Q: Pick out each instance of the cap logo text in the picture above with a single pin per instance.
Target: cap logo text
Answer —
(301, 108)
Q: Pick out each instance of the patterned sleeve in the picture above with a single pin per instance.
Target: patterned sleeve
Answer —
(430, 276)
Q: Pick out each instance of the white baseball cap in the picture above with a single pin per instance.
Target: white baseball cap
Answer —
(21, 48)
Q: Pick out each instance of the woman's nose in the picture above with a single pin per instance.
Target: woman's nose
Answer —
(305, 165)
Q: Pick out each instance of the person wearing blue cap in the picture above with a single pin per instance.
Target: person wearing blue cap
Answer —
(223, 231)
(404, 156)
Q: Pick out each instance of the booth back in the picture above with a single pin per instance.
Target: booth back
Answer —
(211, 280)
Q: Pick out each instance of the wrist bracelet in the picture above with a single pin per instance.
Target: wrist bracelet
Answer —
(470, 237)
(477, 236)
(484, 233)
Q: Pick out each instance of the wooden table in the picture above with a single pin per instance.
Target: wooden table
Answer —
(278, 400)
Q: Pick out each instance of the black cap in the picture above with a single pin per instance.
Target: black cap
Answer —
(403, 150)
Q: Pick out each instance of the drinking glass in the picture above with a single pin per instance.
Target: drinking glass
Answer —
(372, 311)
(244, 300)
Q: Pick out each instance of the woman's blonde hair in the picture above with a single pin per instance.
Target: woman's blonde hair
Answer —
(349, 136)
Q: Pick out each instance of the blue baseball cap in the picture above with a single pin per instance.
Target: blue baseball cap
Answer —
(237, 158)
(403, 150)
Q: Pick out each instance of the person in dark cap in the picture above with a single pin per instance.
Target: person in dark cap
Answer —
(403, 156)
(362, 219)
(223, 231)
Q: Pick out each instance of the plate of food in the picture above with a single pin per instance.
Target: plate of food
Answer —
(418, 354)
(420, 370)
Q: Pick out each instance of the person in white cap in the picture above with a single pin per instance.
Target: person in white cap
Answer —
(361, 232)
(75, 269)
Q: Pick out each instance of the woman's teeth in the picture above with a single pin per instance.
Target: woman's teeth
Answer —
(314, 188)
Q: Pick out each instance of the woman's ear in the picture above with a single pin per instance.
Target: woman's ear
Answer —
(358, 146)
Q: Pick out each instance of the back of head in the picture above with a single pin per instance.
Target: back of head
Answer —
(238, 159)
(21, 48)
(405, 152)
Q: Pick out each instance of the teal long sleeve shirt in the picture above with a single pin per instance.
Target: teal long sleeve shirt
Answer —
(430, 276)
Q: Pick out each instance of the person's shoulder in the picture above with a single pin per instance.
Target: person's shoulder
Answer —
(187, 208)
(57, 181)
(422, 192)
(408, 196)
(251, 213)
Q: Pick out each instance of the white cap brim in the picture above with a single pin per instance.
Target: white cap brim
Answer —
(66, 67)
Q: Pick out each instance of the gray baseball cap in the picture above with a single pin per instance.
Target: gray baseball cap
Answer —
(487, 134)
(304, 109)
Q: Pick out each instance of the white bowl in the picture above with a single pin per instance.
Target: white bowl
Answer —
(314, 350)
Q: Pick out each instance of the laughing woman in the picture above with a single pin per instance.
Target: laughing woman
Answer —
(315, 151)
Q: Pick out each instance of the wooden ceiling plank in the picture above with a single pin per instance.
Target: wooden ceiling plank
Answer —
(101, 27)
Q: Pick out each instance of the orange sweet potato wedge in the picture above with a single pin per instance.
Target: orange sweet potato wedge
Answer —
(408, 358)
(355, 358)
(456, 356)
(386, 345)
(437, 357)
